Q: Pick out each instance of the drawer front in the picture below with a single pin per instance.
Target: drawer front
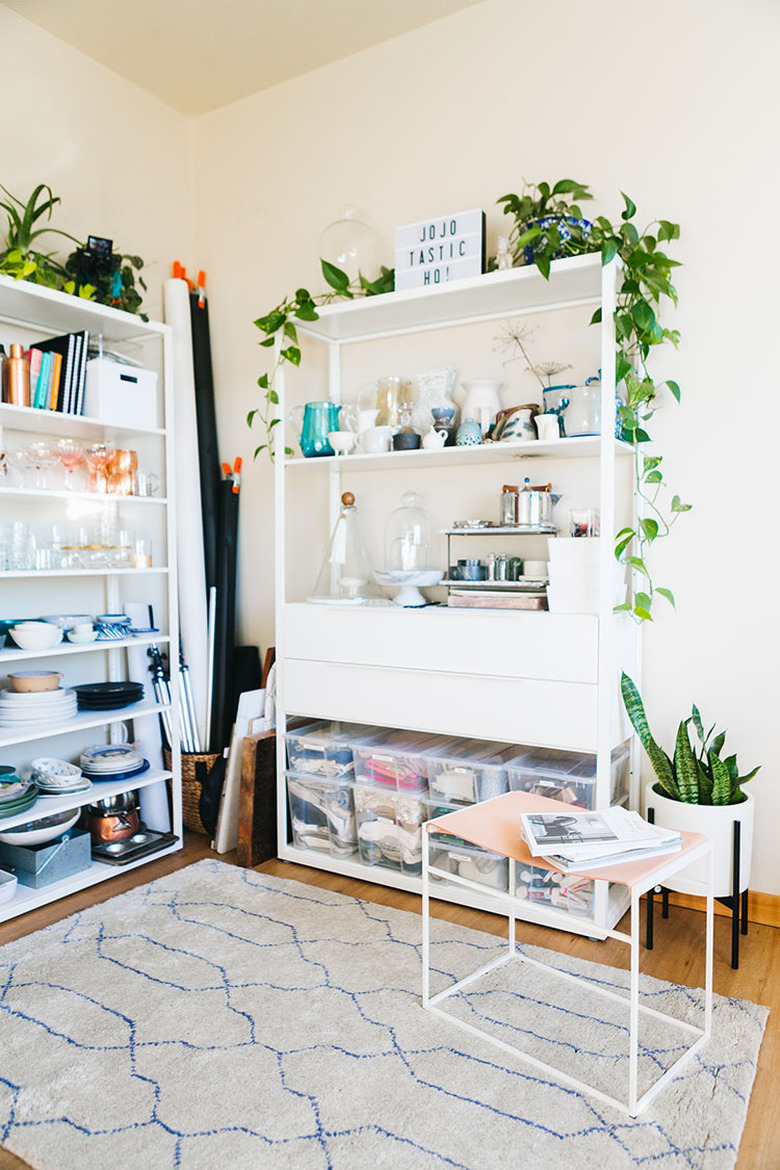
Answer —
(534, 646)
(509, 710)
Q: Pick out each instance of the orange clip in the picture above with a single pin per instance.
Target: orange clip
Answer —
(226, 468)
(201, 289)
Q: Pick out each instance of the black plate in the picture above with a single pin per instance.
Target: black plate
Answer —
(104, 689)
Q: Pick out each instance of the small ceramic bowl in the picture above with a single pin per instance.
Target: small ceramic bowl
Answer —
(112, 619)
(80, 638)
(36, 635)
(342, 442)
(55, 771)
(35, 680)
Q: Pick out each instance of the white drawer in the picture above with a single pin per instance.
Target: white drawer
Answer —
(519, 645)
(562, 714)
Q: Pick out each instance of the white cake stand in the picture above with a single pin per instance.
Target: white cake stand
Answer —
(409, 582)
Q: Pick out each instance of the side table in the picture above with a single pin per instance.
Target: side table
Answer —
(495, 825)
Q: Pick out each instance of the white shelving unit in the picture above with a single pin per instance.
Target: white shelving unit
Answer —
(526, 677)
(29, 313)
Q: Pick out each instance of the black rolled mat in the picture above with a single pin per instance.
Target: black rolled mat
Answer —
(208, 448)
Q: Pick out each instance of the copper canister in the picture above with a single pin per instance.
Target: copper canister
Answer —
(16, 378)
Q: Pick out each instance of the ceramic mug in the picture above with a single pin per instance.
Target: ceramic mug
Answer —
(374, 440)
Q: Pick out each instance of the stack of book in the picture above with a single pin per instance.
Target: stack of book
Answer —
(58, 372)
(579, 841)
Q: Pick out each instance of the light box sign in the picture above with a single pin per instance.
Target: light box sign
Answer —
(436, 251)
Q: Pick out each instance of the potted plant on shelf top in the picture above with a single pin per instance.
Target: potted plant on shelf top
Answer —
(697, 790)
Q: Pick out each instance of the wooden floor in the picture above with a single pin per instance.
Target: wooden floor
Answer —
(677, 956)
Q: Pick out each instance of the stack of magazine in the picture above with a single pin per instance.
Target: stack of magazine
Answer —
(576, 841)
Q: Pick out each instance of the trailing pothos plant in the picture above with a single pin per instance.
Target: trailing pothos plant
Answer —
(280, 322)
(548, 223)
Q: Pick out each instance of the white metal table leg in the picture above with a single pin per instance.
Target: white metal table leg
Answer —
(426, 933)
(633, 1029)
(710, 931)
(511, 927)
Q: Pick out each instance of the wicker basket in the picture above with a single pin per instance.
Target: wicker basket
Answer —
(190, 785)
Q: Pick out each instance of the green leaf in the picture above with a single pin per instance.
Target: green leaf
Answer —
(721, 781)
(307, 312)
(272, 321)
(334, 276)
(642, 315)
(262, 447)
(630, 208)
(290, 331)
(643, 600)
(638, 564)
(654, 477)
(272, 397)
(649, 528)
(267, 341)
(596, 318)
(685, 766)
(642, 613)
(677, 506)
(662, 765)
(292, 354)
(622, 542)
(609, 251)
(250, 418)
(675, 389)
(262, 381)
(667, 594)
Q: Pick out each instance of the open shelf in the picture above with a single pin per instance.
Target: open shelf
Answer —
(35, 307)
(80, 722)
(89, 497)
(16, 654)
(581, 447)
(573, 281)
(47, 806)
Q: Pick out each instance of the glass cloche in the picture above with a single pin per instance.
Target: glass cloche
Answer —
(352, 246)
(407, 553)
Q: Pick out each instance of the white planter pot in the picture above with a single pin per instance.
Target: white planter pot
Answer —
(717, 823)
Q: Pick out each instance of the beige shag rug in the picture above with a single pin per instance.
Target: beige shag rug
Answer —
(223, 1018)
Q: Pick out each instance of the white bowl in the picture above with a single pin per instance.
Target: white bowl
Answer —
(7, 886)
(342, 442)
(40, 831)
(81, 639)
(36, 635)
(55, 771)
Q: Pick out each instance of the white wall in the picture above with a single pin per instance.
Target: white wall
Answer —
(118, 159)
(675, 104)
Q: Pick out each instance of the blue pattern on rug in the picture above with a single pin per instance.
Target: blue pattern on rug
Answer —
(146, 996)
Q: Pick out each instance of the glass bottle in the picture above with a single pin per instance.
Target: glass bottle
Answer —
(16, 377)
(347, 574)
(503, 255)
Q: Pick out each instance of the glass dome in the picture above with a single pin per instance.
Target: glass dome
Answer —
(352, 246)
(407, 536)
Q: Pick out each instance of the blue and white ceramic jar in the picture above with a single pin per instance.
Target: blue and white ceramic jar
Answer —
(469, 433)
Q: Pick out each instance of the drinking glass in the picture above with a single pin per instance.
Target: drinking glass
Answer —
(98, 456)
(71, 456)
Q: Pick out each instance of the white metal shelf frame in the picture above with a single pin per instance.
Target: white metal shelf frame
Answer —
(575, 281)
(42, 312)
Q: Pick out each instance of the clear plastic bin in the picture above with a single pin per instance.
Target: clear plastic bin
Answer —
(322, 813)
(558, 891)
(478, 865)
(470, 771)
(389, 828)
(398, 760)
(325, 749)
(568, 776)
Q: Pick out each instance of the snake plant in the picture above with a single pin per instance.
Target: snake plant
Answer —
(693, 775)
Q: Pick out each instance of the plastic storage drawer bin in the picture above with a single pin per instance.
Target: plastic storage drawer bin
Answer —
(399, 760)
(389, 828)
(477, 865)
(557, 891)
(322, 813)
(325, 749)
(568, 776)
(471, 771)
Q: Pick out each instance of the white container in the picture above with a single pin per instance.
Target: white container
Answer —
(715, 821)
(573, 572)
(121, 394)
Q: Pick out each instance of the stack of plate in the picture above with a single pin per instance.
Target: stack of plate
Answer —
(58, 777)
(16, 796)
(43, 830)
(29, 709)
(113, 761)
(108, 695)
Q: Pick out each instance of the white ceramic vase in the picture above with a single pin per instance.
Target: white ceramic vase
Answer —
(715, 821)
(482, 403)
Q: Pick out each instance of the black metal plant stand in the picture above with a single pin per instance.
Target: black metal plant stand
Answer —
(736, 902)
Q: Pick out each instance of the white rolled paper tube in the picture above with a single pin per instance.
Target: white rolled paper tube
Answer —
(193, 610)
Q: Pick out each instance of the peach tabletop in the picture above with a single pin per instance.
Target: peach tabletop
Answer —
(495, 825)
